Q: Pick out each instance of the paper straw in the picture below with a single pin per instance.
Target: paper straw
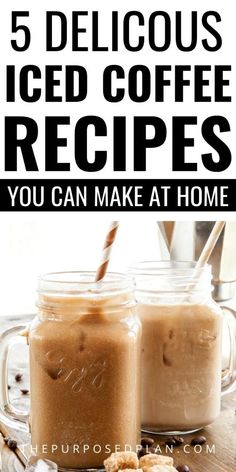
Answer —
(161, 227)
(207, 250)
(164, 239)
(210, 244)
(107, 248)
(169, 230)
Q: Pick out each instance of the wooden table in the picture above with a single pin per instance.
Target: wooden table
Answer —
(217, 455)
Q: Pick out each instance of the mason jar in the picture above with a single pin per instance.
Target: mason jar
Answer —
(84, 369)
(181, 346)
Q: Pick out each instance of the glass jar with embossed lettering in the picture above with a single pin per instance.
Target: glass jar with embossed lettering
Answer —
(84, 369)
(182, 377)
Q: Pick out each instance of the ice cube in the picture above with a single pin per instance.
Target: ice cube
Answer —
(40, 465)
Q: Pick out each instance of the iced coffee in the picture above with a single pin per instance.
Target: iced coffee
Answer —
(181, 347)
(85, 362)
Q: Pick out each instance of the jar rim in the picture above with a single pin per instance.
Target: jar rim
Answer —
(83, 282)
(171, 276)
(156, 267)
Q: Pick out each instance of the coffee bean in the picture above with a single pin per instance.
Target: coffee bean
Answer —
(24, 391)
(152, 450)
(145, 441)
(198, 440)
(9, 387)
(142, 452)
(183, 468)
(11, 443)
(174, 441)
(18, 377)
(178, 440)
(171, 442)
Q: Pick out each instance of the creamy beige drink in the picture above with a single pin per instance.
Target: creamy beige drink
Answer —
(181, 346)
(181, 366)
(85, 361)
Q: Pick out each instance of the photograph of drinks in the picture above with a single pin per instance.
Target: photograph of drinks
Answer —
(117, 344)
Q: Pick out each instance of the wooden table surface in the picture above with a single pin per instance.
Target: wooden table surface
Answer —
(217, 455)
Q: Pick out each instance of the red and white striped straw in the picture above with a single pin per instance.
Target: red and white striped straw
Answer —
(107, 248)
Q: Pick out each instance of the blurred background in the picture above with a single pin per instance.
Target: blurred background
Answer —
(32, 244)
(35, 243)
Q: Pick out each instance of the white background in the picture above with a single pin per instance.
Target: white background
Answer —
(34, 243)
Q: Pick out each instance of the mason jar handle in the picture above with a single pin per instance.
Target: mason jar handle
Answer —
(228, 380)
(10, 415)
